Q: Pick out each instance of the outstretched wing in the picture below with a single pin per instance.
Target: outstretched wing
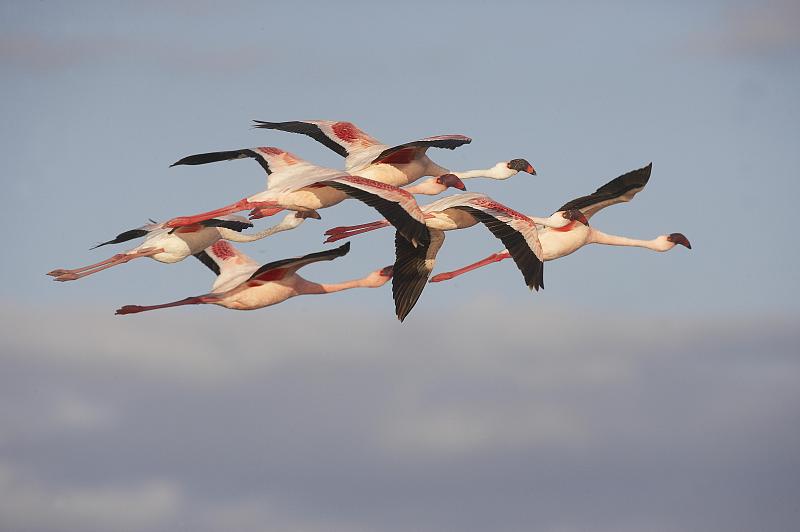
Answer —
(404, 153)
(345, 138)
(230, 265)
(131, 234)
(398, 206)
(412, 267)
(271, 159)
(519, 238)
(281, 268)
(618, 190)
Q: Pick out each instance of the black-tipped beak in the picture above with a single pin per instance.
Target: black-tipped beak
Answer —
(452, 180)
(531, 170)
(679, 238)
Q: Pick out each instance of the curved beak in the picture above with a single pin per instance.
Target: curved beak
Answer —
(452, 180)
(531, 170)
(679, 238)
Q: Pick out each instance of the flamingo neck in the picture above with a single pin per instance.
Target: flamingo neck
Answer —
(657, 244)
(308, 287)
(495, 172)
(429, 187)
(290, 221)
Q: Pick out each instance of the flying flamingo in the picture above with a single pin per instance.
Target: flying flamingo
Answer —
(242, 285)
(298, 185)
(413, 264)
(431, 187)
(173, 245)
(559, 242)
(396, 165)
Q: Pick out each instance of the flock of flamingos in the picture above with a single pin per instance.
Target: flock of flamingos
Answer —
(374, 174)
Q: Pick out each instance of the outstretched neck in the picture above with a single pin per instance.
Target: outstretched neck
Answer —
(428, 188)
(494, 172)
(308, 287)
(289, 222)
(657, 244)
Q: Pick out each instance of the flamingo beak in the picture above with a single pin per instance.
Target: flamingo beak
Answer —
(452, 180)
(679, 238)
(530, 169)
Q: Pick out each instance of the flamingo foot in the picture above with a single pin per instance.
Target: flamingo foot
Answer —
(57, 273)
(67, 276)
(438, 278)
(129, 309)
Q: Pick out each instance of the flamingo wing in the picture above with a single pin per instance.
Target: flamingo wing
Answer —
(230, 265)
(412, 267)
(519, 238)
(618, 190)
(404, 153)
(345, 138)
(271, 159)
(398, 206)
(281, 268)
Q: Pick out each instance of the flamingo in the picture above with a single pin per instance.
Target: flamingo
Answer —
(173, 245)
(300, 186)
(560, 242)
(242, 285)
(413, 264)
(432, 186)
(396, 165)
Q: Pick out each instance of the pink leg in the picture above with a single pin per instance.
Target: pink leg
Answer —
(343, 228)
(347, 232)
(60, 272)
(257, 214)
(241, 205)
(495, 257)
(116, 260)
(133, 309)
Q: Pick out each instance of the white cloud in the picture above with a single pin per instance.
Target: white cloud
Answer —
(28, 504)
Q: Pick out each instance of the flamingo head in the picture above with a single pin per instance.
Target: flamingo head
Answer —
(451, 180)
(521, 165)
(575, 215)
(679, 238)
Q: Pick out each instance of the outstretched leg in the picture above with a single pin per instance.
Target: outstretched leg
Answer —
(241, 205)
(338, 233)
(196, 300)
(495, 257)
(121, 258)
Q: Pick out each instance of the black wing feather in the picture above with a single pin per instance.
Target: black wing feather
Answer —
(217, 156)
(124, 237)
(411, 229)
(328, 254)
(449, 144)
(304, 128)
(613, 189)
(229, 224)
(528, 263)
(409, 275)
(206, 259)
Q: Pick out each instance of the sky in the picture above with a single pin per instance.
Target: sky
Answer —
(639, 391)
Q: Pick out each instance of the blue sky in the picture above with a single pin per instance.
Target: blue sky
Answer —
(99, 99)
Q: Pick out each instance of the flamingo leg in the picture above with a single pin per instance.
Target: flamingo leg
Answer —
(241, 205)
(133, 309)
(346, 232)
(60, 272)
(72, 275)
(262, 212)
(343, 228)
(495, 257)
